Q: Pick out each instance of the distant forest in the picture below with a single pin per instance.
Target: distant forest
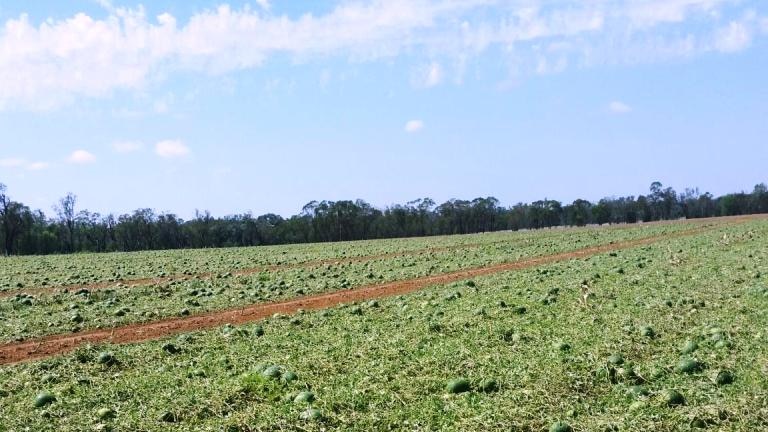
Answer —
(27, 232)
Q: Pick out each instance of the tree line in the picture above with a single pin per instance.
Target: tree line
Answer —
(26, 231)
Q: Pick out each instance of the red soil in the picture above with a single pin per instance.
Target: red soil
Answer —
(59, 344)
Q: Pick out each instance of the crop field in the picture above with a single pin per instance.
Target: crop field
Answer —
(658, 327)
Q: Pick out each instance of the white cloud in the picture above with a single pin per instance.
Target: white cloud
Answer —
(127, 146)
(618, 107)
(37, 166)
(47, 64)
(22, 163)
(652, 12)
(163, 104)
(12, 162)
(171, 149)
(81, 157)
(106, 4)
(733, 38)
(264, 4)
(413, 126)
(429, 75)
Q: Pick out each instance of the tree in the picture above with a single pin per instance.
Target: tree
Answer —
(26, 232)
(65, 209)
(579, 213)
(759, 199)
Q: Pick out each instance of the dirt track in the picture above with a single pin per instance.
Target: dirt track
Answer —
(129, 283)
(58, 344)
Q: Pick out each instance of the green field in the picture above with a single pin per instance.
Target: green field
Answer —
(686, 314)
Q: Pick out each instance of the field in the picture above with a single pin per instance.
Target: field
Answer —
(633, 328)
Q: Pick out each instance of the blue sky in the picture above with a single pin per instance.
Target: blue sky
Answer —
(264, 106)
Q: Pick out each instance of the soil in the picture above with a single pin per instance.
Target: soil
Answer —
(63, 343)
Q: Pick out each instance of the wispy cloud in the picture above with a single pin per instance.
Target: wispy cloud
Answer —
(23, 164)
(429, 75)
(264, 4)
(733, 38)
(81, 157)
(38, 166)
(618, 107)
(53, 62)
(412, 126)
(12, 162)
(171, 149)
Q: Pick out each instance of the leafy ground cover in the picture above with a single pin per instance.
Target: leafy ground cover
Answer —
(664, 337)
(17, 273)
(24, 315)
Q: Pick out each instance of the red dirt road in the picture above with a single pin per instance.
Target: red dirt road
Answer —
(59, 344)
(130, 283)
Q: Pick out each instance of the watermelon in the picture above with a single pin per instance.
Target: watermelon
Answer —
(305, 397)
(458, 385)
(689, 347)
(688, 366)
(44, 398)
(672, 397)
(106, 413)
(637, 391)
(169, 417)
(724, 377)
(258, 331)
(488, 386)
(311, 414)
(560, 427)
(170, 348)
(272, 372)
(289, 377)
(106, 358)
(647, 331)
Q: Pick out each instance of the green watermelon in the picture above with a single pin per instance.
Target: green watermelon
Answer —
(305, 397)
(616, 359)
(689, 347)
(311, 414)
(560, 427)
(288, 377)
(672, 397)
(488, 386)
(106, 413)
(724, 377)
(688, 366)
(272, 372)
(458, 385)
(44, 398)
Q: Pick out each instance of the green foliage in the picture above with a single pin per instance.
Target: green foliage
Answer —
(385, 369)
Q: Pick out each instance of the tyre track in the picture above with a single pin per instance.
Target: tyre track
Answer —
(54, 345)
(131, 283)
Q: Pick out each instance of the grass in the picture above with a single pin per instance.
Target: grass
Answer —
(387, 367)
(25, 316)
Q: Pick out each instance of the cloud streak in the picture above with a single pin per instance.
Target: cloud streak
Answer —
(618, 107)
(23, 164)
(52, 63)
(413, 126)
(171, 149)
(81, 157)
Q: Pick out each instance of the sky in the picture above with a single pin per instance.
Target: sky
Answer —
(263, 106)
